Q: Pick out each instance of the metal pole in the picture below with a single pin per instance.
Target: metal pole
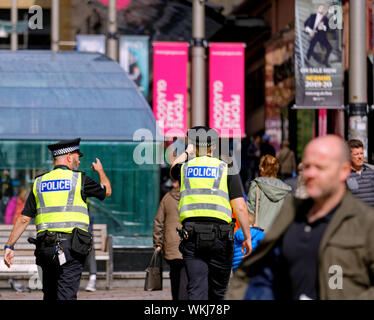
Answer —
(198, 83)
(14, 19)
(112, 41)
(358, 120)
(55, 34)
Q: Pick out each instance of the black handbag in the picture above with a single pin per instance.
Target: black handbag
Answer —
(153, 278)
(81, 241)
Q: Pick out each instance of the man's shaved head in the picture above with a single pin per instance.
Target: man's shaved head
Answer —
(336, 146)
(327, 166)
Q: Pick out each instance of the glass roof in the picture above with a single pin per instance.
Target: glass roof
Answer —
(69, 94)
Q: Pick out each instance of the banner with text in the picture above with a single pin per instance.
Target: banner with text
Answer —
(318, 54)
(133, 58)
(170, 62)
(226, 89)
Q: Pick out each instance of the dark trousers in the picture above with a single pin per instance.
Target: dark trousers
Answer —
(322, 39)
(59, 282)
(178, 279)
(209, 271)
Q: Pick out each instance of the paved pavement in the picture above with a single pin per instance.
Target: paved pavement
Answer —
(101, 294)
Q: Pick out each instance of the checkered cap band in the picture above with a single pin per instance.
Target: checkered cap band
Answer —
(60, 152)
(204, 144)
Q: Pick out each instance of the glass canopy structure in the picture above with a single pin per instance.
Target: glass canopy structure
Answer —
(47, 97)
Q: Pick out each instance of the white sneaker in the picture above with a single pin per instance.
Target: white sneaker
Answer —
(91, 286)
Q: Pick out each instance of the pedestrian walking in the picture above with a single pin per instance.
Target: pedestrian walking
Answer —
(58, 203)
(317, 248)
(361, 179)
(167, 240)
(266, 193)
(205, 213)
(287, 161)
(91, 260)
(266, 147)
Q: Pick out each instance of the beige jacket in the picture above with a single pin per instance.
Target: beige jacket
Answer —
(165, 226)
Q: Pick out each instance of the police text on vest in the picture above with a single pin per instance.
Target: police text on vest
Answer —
(55, 185)
(202, 172)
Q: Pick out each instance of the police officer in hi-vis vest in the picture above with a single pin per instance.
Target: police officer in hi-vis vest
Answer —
(207, 187)
(58, 203)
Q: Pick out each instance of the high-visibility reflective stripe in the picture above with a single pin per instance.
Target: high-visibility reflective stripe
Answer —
(62, 209)
(205, 206)
(210, 192)
(74, 181)
(186, 180)
(39, 194)
(217, 181)
(61, 225)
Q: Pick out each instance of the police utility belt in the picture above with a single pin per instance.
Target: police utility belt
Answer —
(81, 241)
(204, 234)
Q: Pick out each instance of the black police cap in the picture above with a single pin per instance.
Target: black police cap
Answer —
(202, 136)
(65, 146)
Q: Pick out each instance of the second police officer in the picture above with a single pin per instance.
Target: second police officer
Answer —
(58, 203)
(207, 187)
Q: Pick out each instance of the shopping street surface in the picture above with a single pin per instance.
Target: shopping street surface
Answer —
(100, 294)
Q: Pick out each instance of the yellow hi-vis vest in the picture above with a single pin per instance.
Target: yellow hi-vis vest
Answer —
(204, 191)
(59, 202)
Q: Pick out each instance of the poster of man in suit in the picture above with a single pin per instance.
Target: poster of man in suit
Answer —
(318, 54)
(316, 26)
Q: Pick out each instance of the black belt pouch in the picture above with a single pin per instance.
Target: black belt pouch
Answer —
(205, 236)
(47, 238)
(81, 241)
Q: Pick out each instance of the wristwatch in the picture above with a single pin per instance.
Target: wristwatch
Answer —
(186, 154)
(8, 247)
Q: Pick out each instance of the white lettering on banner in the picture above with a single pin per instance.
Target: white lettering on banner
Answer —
(171, 52)
(170, 114)
(227, 53)
(161, 101)
(226, 114)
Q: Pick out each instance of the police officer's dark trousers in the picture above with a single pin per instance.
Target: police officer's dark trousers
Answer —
(208, 269)
(60, 282)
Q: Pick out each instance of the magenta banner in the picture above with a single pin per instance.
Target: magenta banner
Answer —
(170, 62)
(226, 89)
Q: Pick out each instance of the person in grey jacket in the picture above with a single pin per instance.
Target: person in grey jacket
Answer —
(271, 193)
(361, 179)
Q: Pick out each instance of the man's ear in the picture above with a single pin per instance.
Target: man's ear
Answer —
(69, 157)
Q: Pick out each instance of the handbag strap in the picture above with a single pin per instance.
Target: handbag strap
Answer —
(153, 259)
(257, 196)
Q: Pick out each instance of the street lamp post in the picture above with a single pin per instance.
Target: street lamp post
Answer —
(112, 41)
(358, 109)
(14, 19)
(198, 81)
(55, 32)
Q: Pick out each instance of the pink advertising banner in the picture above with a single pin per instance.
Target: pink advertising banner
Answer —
(170, 62)
(226, 89)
